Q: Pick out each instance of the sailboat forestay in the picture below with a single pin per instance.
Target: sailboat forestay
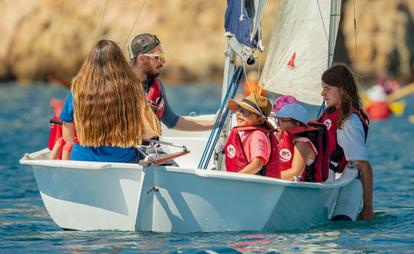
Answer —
(119, 196)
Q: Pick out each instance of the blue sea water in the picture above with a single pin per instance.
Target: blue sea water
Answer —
(25, 226)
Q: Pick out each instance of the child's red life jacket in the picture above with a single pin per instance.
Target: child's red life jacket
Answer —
(236, 158)
(316, 133)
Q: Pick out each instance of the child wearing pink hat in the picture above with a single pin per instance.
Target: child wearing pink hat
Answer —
(297, 152)
(282, 101)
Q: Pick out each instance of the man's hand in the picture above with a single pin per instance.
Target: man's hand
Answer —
(215, 118)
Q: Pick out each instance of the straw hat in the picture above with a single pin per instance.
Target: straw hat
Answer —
(254, 103)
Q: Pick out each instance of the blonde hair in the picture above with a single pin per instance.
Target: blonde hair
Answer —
(108, 99)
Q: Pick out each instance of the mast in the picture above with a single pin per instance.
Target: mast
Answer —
(241, 29)
(228, 72)
(228, 67)
(335, 15)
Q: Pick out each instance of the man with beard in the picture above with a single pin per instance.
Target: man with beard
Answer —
(147, 59)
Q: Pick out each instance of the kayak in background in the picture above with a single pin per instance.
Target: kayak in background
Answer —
(376, 104)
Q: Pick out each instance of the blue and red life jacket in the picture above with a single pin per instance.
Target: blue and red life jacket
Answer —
(337, 160)
(236, 158)
(155, 98)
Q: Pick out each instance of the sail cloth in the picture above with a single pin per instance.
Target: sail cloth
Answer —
(298, 50)
(243, 19)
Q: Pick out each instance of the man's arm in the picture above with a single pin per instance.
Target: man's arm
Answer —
(169, 117)
(191, 124)
(172, 120)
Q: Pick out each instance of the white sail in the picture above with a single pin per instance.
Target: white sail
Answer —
(298, 52)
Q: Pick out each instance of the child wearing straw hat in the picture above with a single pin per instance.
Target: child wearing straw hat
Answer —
(251, 147)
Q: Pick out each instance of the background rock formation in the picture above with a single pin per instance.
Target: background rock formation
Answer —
(384, 37)
(45, 36)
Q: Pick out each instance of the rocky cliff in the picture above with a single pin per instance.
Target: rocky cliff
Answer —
(53, 36)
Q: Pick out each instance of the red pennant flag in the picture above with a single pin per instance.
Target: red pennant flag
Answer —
(291, 63)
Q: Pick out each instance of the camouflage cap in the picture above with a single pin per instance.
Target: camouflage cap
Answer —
(142, 44)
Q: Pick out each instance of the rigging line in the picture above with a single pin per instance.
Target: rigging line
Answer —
(252, 92)
(135, 22)
(355, 37)
(323, 23)
(222, 123)
(258, 69)
(102, 19)
(218, 121)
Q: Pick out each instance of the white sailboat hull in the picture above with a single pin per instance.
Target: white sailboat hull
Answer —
(119, 196)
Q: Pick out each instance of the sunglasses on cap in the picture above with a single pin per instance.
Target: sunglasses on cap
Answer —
(158, 56)
(243, 111)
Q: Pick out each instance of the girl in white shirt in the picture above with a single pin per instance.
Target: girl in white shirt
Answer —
(347, 125)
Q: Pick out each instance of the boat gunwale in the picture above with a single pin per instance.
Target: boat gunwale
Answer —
(29, 159)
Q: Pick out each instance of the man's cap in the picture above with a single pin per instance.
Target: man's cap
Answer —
(141, 44)
(294, 111)
(255, 103)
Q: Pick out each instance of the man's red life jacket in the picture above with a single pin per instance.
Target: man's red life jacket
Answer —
(337, 160)
(236, 158)
(155, 98)
(318, 170)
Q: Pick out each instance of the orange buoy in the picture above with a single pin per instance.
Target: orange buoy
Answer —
(252, 85)
(378, 110)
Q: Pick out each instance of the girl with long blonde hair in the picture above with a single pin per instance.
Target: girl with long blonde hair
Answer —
(109, 108)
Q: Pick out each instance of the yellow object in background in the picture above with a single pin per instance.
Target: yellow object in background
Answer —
(402, 92)
(397, 107)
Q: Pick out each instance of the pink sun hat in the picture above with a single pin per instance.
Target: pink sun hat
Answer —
(281, 101)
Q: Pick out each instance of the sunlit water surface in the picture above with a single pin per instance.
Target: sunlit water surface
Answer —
(25, 226)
